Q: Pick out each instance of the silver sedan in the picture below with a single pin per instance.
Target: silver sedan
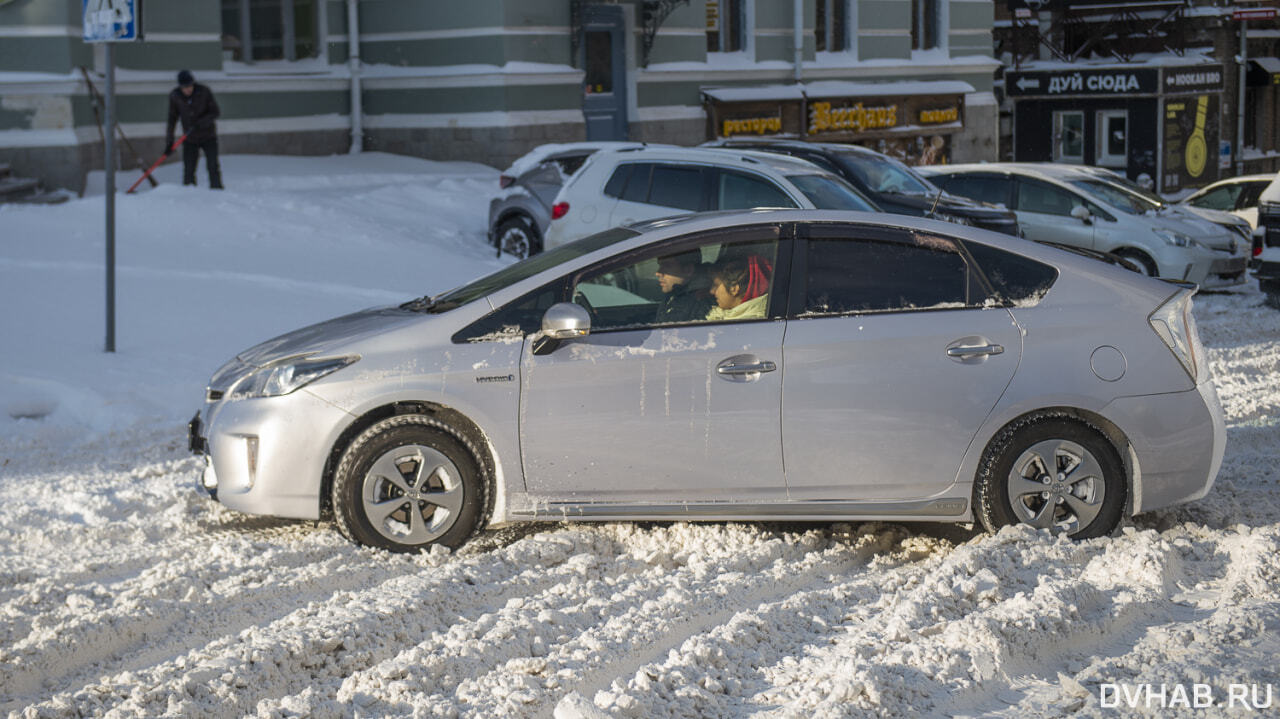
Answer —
(798, 364)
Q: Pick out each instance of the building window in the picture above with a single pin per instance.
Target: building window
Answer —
(925, 21)
(726, 25)
(255, 30)
(833, 26)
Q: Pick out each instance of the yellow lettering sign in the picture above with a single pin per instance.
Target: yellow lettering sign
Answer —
(936, 117)
(752, 126)
(825, 118)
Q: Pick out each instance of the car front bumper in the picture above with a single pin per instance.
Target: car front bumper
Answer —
(267, 456)
(1179, 439)
(1217, 271)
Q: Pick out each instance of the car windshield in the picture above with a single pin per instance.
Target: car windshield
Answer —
(1137, 189)
(1116, 196)
(885, 174)
(829, 193)
(523, 270)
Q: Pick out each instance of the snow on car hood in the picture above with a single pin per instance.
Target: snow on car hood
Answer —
(1206, 232)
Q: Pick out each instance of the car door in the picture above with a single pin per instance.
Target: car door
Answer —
(660, 189)
(892, 364)
(639, 411)
(1044, 214)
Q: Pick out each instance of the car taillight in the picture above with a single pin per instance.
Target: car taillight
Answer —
(504, 181)
(1257, 249)
(1175, 325)
(558, 210)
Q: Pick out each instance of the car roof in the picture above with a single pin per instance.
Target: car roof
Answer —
(827, 147)
(1031, 169)
(719, 156)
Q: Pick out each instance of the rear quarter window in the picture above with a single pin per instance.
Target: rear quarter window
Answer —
(1014, 279)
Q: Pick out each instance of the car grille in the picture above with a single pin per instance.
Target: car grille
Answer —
(1228, 269)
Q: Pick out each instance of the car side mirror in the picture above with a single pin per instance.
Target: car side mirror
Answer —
(1080, 212)
(562, 321)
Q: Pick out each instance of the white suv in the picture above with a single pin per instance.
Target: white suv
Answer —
(620, 187)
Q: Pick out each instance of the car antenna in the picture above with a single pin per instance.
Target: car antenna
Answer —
(935, 202)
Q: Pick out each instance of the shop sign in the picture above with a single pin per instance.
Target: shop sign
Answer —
(768, 125)
(853, 118)
(1190, 130)
(1193, 79)
(941, 116)
(1081, 82)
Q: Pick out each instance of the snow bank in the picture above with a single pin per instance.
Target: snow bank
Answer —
(124, 593)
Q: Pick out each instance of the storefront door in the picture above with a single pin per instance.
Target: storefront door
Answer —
(604, 60)
(1068, 137)
(1113, 138)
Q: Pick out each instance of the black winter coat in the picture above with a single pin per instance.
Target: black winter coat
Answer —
(197, 113)
(684, 304)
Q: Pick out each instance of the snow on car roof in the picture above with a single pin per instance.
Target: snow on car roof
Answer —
(530, 160)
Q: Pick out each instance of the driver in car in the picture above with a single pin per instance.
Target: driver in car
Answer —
(684, 293)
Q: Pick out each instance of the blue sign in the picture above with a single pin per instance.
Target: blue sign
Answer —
(112, 20)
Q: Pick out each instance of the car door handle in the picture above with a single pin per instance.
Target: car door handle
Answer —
(980, 351)
(765, 366)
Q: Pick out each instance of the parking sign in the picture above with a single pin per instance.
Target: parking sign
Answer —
(112, 20)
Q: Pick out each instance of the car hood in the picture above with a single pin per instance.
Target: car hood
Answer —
(1206, 232)
(1217, 217)
(336, 332)
(950, 204)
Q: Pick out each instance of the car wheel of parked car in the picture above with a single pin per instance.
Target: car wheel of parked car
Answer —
(518, 237)
(406, 483)
(1145, 264)
(1052, 472)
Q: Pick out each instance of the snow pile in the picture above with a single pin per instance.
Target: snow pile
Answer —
(123, 592)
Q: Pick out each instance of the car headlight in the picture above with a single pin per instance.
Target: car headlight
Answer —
(287, 375)
(1177, 239)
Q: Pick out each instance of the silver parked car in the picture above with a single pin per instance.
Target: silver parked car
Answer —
(780, 364)
(1076, 206)
(520, 212)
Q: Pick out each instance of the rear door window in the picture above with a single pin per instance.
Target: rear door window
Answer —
(991, 189)
(1015, 279)
(850, 270)
(678, 186)
(741, 191)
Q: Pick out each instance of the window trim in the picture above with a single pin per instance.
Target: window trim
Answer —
(245, 30)
(798, 285)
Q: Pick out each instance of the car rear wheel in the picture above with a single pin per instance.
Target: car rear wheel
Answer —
(1146, 266)
(518, 237)
(1053, 472)
(406, 483)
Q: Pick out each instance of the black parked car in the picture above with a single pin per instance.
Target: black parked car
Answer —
(890, 184)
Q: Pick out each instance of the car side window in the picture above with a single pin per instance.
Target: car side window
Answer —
(515, 319)
(1220, 198)
(637, 188)
(856, 271)
(1041, 197)
(618, 180)
(678, 186)
(1015, 279)
(740, 191)
(723, 277)
(983, 188)
(1249, 196)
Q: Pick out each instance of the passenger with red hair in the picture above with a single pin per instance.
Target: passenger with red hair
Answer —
(740, 287)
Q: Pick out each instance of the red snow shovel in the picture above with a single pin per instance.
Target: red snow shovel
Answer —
(153, 167)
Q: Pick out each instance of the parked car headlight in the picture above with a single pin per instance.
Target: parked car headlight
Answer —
(1177, 239)
(287, 375)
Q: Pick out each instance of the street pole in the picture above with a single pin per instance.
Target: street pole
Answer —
(1244, 68)
(109, 165)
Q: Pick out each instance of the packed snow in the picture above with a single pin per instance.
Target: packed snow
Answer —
(125, 592)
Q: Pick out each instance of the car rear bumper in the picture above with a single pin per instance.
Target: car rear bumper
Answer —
(1179, 439)
(1267, 271)
(267, 456)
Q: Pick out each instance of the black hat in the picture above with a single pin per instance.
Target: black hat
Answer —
(185, 78)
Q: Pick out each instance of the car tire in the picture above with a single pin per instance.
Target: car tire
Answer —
(1085, 494)
(517, 236)
(1145, 264)
(409, 482)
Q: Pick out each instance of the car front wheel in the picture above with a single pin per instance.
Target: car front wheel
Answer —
(406, 483)
(1053, 472)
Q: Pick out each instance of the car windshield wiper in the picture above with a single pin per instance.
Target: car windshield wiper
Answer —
(428, 304)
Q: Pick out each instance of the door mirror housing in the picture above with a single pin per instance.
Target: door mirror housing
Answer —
(562, 321)
(1080, 212)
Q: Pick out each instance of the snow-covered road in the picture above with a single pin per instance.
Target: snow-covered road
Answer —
(124, 592)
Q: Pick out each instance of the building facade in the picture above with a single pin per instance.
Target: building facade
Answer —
(487, 80)
(1158, 90)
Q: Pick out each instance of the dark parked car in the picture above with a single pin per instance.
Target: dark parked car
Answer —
(893, 186)
(1268, 257)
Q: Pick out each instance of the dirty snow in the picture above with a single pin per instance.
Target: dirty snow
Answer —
(123, 592)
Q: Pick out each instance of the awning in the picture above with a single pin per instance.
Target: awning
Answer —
(1263, 71)
(837, 88)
